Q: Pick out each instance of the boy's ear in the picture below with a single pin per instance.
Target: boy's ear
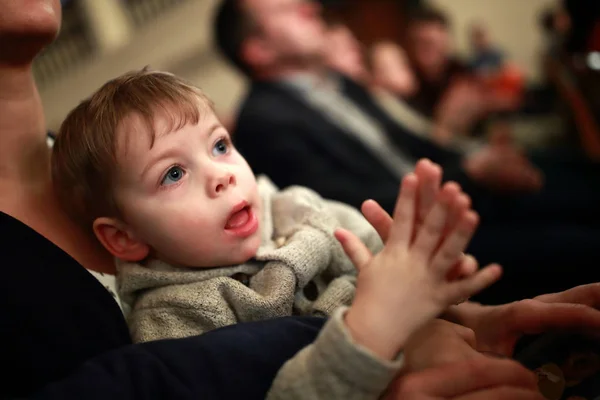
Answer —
(119, 241)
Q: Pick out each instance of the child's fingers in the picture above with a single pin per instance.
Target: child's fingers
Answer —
(378, 218)
(354, 248)
(432, 229)
(455, 243)
(466, 266)
(473, 284)
(404, 213)
(430, 179)
(461, 204)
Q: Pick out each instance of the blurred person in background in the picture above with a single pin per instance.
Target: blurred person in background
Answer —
(486, 58)
(391, 69)
(449, 90)
(502, 81)
(345, 53)
(302, 124)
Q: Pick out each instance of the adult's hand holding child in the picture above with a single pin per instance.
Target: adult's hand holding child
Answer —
(498, 328)
(480, 378)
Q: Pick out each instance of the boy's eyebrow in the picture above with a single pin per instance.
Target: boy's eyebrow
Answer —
(170, 152)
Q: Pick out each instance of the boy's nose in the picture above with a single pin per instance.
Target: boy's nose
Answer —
(220, 182)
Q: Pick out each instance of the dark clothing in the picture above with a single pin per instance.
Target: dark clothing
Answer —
(236, 362)
(487, 61)
(56, 317)
(283, 137)
(55, 314)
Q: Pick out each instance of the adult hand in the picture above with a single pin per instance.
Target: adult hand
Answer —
(498, 328)
(503, 168)
(461, 107)
(439, 343)
(481, 378)
(588, 295)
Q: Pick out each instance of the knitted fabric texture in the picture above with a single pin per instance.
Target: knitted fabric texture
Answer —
(299, 269)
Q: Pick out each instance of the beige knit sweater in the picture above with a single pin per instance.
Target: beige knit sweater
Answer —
(300, 268)
(334, 367)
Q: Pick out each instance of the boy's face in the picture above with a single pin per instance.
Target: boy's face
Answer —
(191, 197)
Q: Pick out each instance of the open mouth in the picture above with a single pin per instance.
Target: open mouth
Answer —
(238, 218)
(242, 221)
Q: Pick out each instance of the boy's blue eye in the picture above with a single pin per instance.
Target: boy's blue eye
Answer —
(221, 147)
(173, 175)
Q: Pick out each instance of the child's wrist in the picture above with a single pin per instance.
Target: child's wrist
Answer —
(365, 329)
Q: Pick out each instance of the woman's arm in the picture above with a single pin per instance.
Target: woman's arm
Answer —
(235, 362)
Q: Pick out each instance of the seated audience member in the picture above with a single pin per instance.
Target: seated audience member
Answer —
(448, 89)
(63, 334)
(502, 81)
(391, 70)
(300, 124)
(430, 52)
(486, 59)
(388, 77)
(345, 53)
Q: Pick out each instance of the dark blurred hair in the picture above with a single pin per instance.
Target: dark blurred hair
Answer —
(427, 15)
(546, 20)
(232, 26)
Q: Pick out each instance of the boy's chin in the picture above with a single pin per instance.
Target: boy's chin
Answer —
(246, 251)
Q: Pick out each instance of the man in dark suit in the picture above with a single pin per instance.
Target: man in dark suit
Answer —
(302, 124)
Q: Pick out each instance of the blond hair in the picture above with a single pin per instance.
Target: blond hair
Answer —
(84, 160)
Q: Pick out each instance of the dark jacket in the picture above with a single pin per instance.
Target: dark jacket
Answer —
(283, 137)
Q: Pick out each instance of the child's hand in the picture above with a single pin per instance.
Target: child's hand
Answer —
(429, 176)
(406, 285)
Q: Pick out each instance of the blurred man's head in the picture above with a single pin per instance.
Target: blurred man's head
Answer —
(430, 45)
(263, 36)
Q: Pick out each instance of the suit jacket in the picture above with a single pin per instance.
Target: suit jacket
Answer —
(283, 137)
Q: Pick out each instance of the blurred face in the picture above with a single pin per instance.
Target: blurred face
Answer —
(344, 53)
(391, 69)
(191, 196)
(430, 47)
(26, 26)
(291, 29)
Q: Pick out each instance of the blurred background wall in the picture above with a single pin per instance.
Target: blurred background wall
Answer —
(103, 38)
(513, 25)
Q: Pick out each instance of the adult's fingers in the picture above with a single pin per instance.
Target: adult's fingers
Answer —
(588, 295)
(458, 379)
(378, 218)
(354, 248)
(503, 393)
(532, 317)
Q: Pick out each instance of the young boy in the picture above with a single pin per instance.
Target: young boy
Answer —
(202, 244)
